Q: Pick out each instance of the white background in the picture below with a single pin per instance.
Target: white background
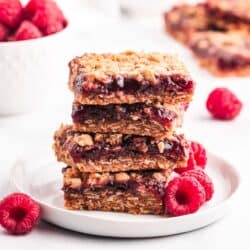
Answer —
(90, 32)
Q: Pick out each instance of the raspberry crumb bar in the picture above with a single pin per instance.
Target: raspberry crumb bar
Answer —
(118, 152)
(129, 77)
(139, 192)
(138, 118)
(185, 20)
(217, 32)
(224, 54)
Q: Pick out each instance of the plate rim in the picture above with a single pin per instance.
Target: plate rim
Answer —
(156, 219)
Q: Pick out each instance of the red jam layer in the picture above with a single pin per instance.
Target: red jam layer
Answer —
(175, 83)
(226, 16)
(117, 112)
(132, 185)
(130, 146)
(225, 60)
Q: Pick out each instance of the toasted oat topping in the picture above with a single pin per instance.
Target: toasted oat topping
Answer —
(98, 179)
(121, 177)
(73, 182)
(187, 17)
(161, 147)
(114, 139)
(140, 66)
(84, 140)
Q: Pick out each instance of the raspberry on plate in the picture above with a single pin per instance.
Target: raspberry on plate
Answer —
(27, 30)
(10, 12)
(184, 195)
(190, 164)
(223, 104)
(4, 31)
(200, 154)
(18, 213)
(204, 180)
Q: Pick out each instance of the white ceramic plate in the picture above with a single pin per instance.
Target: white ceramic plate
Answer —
(39, 175)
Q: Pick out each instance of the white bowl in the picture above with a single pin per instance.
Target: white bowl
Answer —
(31, 70)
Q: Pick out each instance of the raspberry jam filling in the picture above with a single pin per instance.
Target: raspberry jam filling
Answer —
(128, 146)
(157, 189)
(226, 16)
(224, 60)
(151, 185)
(78, 182)
(174, 83)
(117, 112)
(231, 62)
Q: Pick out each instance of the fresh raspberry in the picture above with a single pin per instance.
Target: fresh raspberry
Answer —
(10, 12)
(32, 6)
(11, 38)
(18, 213)
(200, 154)
(46, 15)
(223, 104)
(26, 31)
(53, 28)
(190, 164)
(4, 31)
(204, 180)
(184, 195)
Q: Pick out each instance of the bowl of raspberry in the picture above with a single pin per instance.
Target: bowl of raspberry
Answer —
(32, 45)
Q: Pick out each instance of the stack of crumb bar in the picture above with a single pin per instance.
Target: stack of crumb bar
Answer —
(123, 145)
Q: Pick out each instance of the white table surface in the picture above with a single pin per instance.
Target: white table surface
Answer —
(20, 133)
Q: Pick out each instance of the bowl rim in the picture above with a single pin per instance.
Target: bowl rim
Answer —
(36, 40)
